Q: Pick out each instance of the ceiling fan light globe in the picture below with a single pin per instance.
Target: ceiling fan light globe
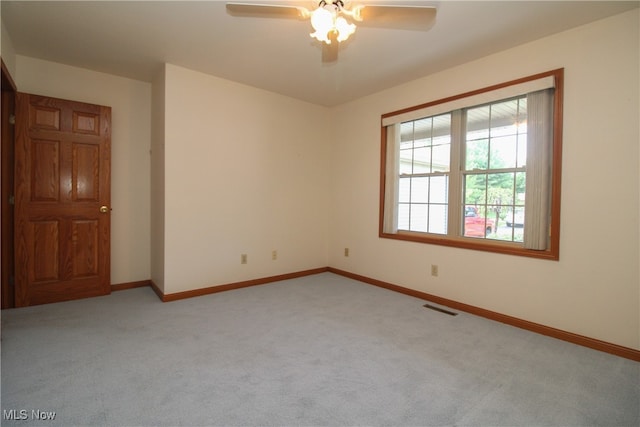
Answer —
(322, 20)
(321, 37)
(344, 28)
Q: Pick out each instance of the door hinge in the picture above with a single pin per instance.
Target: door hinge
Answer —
(12, 119)
(12, 200)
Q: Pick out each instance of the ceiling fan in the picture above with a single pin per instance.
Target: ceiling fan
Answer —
(333, 22)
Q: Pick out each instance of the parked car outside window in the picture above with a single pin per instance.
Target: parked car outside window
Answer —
(515, 219)
(476, 225)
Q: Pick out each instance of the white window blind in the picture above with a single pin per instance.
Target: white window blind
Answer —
(539, 160)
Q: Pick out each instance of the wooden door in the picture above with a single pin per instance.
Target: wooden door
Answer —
(62, 200)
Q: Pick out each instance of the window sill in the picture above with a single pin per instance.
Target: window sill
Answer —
(474, 244)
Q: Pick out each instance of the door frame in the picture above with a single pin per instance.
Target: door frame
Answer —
(9, 90)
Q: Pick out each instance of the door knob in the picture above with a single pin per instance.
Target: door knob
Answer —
(104, 209)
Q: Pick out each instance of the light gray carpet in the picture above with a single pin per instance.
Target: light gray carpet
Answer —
(314, 351)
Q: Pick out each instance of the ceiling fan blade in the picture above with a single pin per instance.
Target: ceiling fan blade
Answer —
(420, 18)
(267, 10)
(330, 51)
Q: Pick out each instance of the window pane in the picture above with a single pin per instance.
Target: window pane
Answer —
(515, 217)
(504, 118)
(506, 195)
(422, 131)
(439, 189)
(403, 216)
(500, 187)
(522, 115)
(522, 140)
(406, 159)
(521, 180)
(477, 154)
(441, 158)
(475, 189)
(419, 190)
(441, 126)
(422, 160)
(418, 217)
(503, 152)
(475, 222)
(522, 151)
(522, 133)
(438, 219)
(406, 132)
(478, 122)
(404, 190)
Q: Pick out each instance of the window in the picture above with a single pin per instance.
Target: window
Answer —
(467, 170)
(425, 147)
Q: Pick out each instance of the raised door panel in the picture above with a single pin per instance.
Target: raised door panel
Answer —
(45, 171)
(85, 172)
(86, 123)
(84, 251)
(44, 117)
(45, 250)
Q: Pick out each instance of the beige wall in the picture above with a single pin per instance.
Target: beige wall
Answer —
(594, 289)
(157, 223)
(246, 172)
(8, 53)
(130, 101)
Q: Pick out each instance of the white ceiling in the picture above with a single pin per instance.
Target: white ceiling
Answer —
(133, 39)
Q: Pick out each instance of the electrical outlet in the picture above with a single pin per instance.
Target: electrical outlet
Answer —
(346, 252)
(274, 255)
(434, 270)
(243, 259)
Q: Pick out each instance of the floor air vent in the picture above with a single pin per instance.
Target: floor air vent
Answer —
(441, 310)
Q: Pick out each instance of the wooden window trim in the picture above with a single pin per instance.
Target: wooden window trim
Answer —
(553, 252)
